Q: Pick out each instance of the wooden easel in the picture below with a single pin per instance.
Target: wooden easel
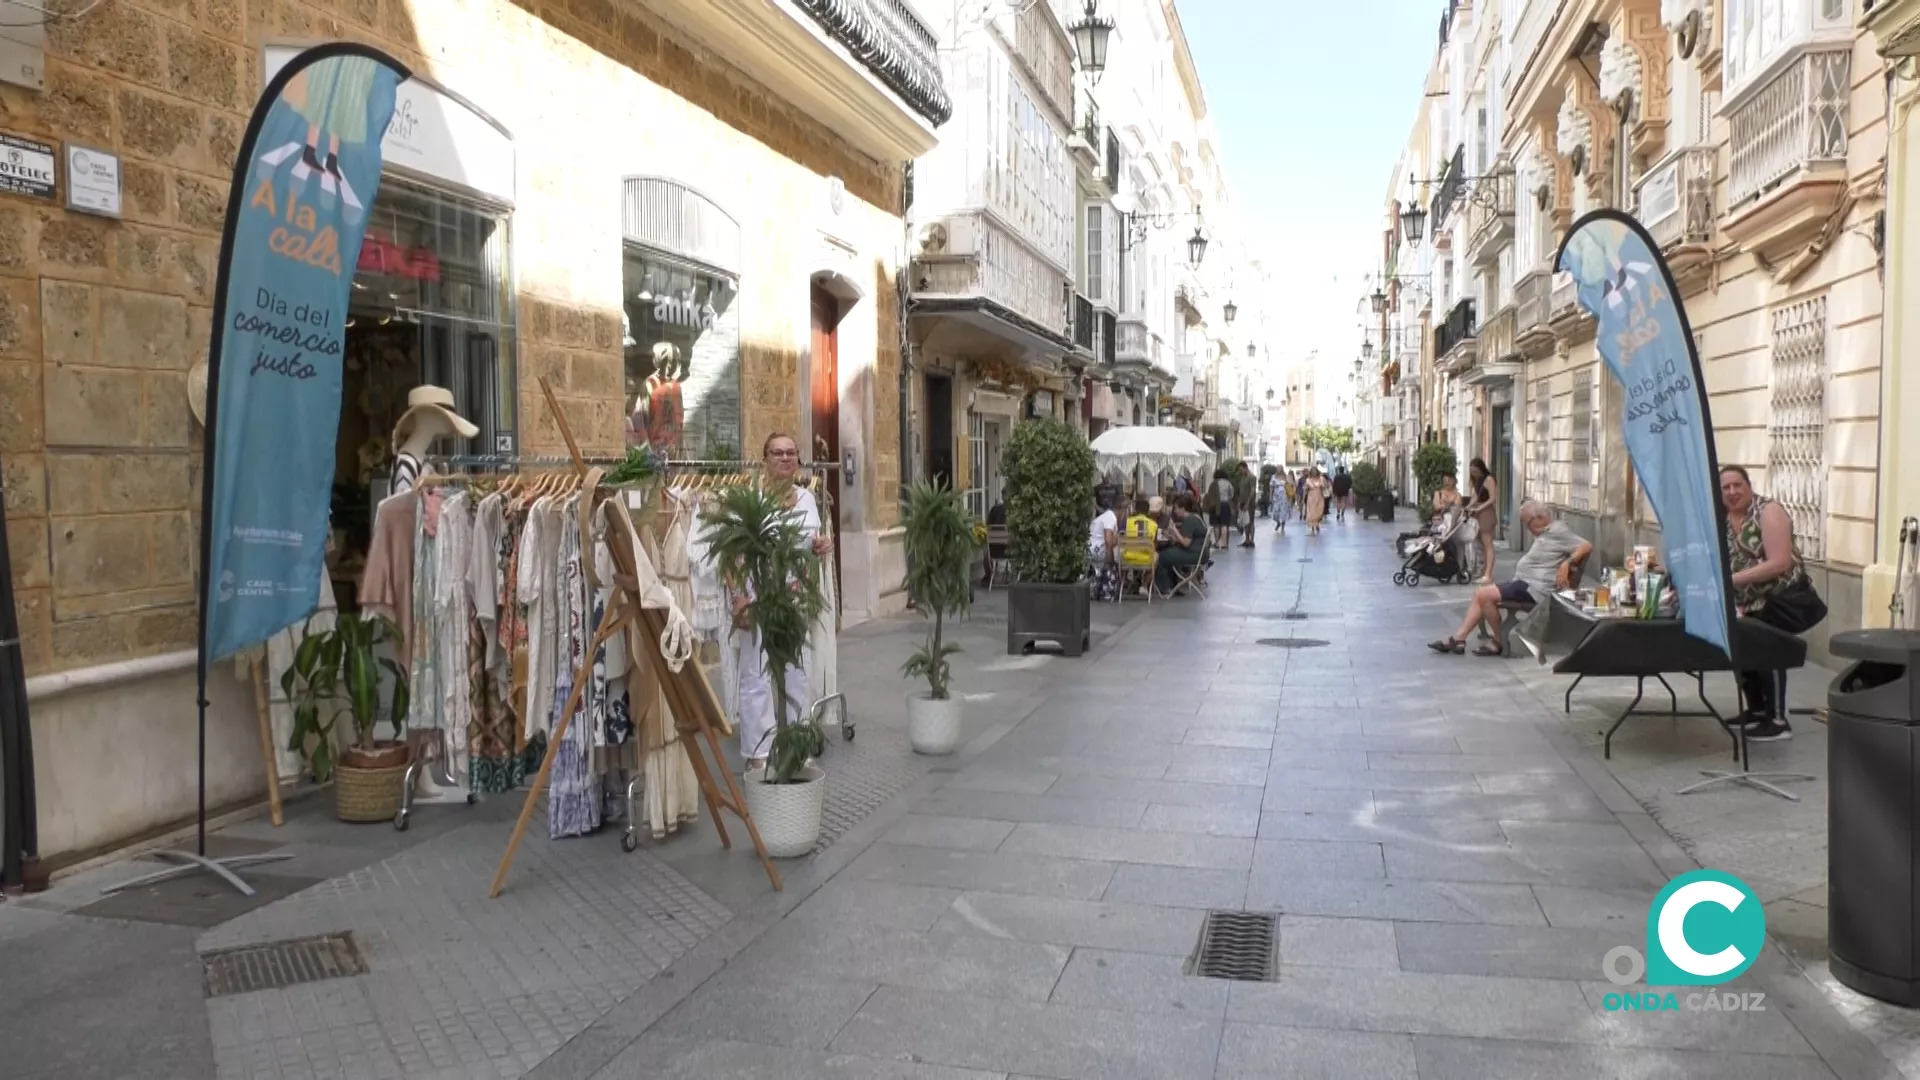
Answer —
(691, 700)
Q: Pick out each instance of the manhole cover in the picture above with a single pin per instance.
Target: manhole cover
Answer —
(1290, 643)
(1236, 945)
(277, 965)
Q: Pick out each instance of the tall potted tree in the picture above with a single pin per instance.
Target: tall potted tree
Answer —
(763, 548)
(940, 544)
(1049, 472)
(338, 671)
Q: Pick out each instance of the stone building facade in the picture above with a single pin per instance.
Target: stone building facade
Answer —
(553, 122)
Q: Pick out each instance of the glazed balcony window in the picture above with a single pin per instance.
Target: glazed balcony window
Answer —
(1760, 36)
(1796, 120)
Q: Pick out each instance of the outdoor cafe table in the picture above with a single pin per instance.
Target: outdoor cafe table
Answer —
(1582, 642)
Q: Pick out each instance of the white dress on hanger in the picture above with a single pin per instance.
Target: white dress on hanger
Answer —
(672, 789)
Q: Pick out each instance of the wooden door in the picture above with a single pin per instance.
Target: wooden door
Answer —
(824, 401)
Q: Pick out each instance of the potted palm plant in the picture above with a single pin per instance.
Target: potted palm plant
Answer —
(940, 545)
(763, 548)
(338, 671)
(1049, 471)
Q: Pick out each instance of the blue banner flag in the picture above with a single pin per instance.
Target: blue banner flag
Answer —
(308, 169)
(1644, 337)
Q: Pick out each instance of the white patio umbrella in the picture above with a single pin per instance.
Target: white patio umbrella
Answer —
(1155, 449)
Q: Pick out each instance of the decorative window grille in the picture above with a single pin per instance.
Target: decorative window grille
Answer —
(1537, 438)
(1797, 422)
(1581, 448)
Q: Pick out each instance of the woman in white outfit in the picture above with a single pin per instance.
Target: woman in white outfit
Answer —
(780, 469)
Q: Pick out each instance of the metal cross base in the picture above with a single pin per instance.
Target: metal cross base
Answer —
(189, 863)
(1751, 779)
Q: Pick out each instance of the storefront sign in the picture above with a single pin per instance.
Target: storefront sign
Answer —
(93, 181)
(436, 135)
(304, 179)
(1644, 337)
(26, 167)
(380, 255)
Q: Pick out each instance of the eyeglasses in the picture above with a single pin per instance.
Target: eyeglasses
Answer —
(783, 453)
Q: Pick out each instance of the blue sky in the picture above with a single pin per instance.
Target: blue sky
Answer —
(1311, 102)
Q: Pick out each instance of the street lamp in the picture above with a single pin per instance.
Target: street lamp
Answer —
(1253, 351)
(1090, 36)
(1229, 310)
(1379, 299)
(1413, 224)
(1366, 349)
(1197, 249)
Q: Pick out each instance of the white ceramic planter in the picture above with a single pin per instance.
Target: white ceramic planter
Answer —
(787, 815)
(935, 727)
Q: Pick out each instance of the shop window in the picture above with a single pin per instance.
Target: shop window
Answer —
(429, 305)
(1797, 422)
(681, 322)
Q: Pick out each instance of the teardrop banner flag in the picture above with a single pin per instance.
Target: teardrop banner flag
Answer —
(1647, 343)
(308, 169)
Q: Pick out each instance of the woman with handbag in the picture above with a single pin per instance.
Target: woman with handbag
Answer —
(1769, 584)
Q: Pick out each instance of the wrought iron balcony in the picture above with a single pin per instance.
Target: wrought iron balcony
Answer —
(1675, 198)
(1794, 125)
(1083, 323)
(1490, 217)
(866, 68)
(1564, 313)
(1454, 339)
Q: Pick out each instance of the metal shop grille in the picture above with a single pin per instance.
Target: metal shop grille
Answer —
(1580, 442)
(277, 965)
(1290, 643)
(1797, 422)
(1238, 945)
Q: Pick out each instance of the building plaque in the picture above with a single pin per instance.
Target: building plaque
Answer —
(26, 167)
(93, 181)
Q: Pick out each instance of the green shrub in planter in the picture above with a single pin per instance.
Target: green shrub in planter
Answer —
(1049, 493)
(1049, 471)
(939, 541)
(1430, 463)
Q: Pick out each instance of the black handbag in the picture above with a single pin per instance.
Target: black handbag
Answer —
(1796, 608)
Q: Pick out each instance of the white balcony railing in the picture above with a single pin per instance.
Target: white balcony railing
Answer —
(1675, 199)
(1796, 121)
(989, 262)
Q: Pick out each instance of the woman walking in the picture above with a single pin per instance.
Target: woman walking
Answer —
(1317, 491)
(1280, 502)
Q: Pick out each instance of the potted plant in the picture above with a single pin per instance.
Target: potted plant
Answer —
(940, 545)
(1430, 463)
(764, 549)
(338, 671)
(1049, 473)
(1370, 491)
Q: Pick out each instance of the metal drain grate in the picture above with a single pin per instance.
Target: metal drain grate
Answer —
(1236, 945)
(1290, 643)
(277, 965)
(1293, 616)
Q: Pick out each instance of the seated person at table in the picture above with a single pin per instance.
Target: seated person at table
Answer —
(1550, 564)
(1188, 543)
(1140, 526)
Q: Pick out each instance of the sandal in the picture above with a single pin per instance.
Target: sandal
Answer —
(1490, 649)
(1453, 646)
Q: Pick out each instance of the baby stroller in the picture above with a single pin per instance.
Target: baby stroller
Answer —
(1435, 555)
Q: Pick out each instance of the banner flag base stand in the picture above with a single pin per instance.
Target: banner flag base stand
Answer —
(1754, 780)
(193, 864)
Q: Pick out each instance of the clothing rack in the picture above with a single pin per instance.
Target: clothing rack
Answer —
(690, 699)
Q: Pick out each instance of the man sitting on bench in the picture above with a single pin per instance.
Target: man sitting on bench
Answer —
(1553, 562)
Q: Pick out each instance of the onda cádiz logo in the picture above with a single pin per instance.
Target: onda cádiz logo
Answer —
(1704, 929)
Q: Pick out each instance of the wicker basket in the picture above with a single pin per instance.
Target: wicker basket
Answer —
(787, 815)
(365, 795)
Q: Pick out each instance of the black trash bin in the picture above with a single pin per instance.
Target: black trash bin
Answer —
(1873, 803)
